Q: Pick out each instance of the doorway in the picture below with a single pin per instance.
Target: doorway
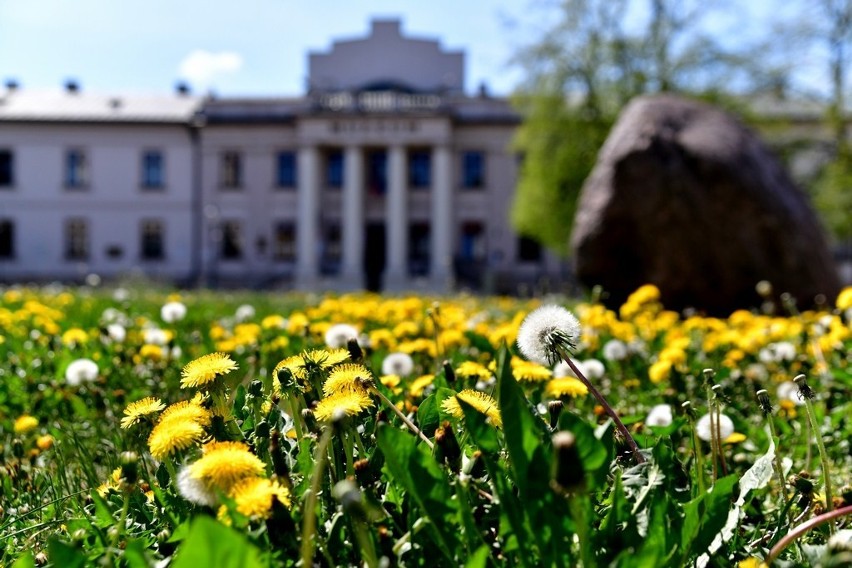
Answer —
(374, 256)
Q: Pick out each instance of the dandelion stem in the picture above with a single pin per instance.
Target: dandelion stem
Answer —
(713, 448)
(411, 426)
(619, 425)
(722, 463)
(699, 455)
(310, 521)
(779, 470)
(803, 528)
(823, 456)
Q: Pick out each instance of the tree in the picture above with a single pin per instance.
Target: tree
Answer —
(580, 74)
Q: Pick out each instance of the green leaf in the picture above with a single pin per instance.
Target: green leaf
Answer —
(428, 417)
(134, 554)
(524, 433)
(65, 555)
(593, 452)
(211, 543)
(483, 434)
(103, 515)
(706, 515)
(414, 468)
(478, 559)
(25, 561)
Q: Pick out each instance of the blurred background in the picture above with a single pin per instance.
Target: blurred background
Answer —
(381, 145)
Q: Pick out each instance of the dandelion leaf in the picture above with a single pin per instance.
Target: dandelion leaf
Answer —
(593, 452)
(210, 543)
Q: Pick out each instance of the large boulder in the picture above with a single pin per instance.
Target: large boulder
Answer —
(686, 197)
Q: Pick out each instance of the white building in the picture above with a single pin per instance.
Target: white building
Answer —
(384, 175)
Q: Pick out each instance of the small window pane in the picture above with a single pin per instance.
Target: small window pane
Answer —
(7, 170)
(76, 239)
(232, 170)
(152, 170)
(76, 174)
(284, 245)
(7, 239)
(420, 169)
(334, 169)
(152, 246)
(232, 240)
(377, 172)
(418, 249)
(286, 170)
(473, 170)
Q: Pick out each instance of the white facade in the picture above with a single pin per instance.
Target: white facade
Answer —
(385, 175)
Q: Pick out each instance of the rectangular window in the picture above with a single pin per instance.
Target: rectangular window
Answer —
(472, 242)
(7, 168)
(231, 174)
(152, 170)
(152, 246)
(232, 240)
(334, 169)
(473, 170)
(284, 243)
(418, 249)
(76, 239)
(331, 249)
(419, 169)
(7, 239)
(377, 172)
(285, 171)
(529, 250)
(76, 169)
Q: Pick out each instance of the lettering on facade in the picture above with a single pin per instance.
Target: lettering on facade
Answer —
(378, 101)
(373, 125)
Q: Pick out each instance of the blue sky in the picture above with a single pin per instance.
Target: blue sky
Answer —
(237, 47)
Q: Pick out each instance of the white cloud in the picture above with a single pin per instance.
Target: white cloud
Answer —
(201, 67)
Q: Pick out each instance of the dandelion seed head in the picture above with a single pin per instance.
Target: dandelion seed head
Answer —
(338, 335)
(398, 364)
(725, 427)
(615, 350)
(547, 330)
(172, 312)
(788, 390)
(80, 371)
(659, 415)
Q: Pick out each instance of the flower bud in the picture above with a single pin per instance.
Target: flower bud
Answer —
(763, 402)
(447, 448)
(129, 467)
(568, 475)
(449, 373)
(554, 408)
(355, 352)
(349, 496)
(255, 388)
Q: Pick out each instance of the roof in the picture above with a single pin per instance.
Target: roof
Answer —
(66, 106)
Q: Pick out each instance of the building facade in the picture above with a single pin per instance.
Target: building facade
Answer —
(384, 175)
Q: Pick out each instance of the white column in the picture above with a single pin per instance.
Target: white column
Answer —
(441, 232)
(352, 276)
(307, 222)
(396, 271)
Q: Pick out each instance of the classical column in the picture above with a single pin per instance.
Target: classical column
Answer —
(352, 276)
(440, 253)
(307, 222)
(396, 271)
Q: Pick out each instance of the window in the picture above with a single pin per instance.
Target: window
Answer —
(76, 169)
(76, 239)
(419, 169)
(7, 168)
(151, 244)
(377, 172)
(285, 172)
(529, 250)
(152, 170)
(418, 249)
(7, 239)
(232, 241)
(334, 169)
(473, 170)
(472, 242)
(284, 243)
(232, 170)
(331, 249)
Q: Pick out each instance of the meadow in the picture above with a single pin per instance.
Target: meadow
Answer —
(147, 428)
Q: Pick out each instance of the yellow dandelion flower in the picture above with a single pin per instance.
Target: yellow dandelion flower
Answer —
(529, 371)
(566, 386)
(151, 351)
(171, 436)
(391, 382)
(472, 369)
(479, 400)
(254, 496)
(417, 386)
(135, 411)
(844, 299)
(735, 438)
(188, 410)
(345, 377)
(296, 366)
(113, 482)
(75, 336)
(25, 423)
(225, 463)
(205, 369)
(325, 358)
(349, 402)
(44, 442)
(273, 322)
(660, 371)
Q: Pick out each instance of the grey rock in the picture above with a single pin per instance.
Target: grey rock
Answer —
(686, 197)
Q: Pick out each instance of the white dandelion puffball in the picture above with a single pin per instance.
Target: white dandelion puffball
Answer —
(615, 350)
(195, 490)
(545, 330)
(172, 312)
(244, 313)
(725, 428)
(81, 371)
(338, 335)
(400, 364)
(155, 336)
(116, 332)
(593, 369)
(788, 390)
(562, 370)
(784, 351)
(660, 415)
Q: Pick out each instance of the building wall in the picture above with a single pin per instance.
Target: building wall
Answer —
(113, 203)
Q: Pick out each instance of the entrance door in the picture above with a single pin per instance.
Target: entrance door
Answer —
(374, 256)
